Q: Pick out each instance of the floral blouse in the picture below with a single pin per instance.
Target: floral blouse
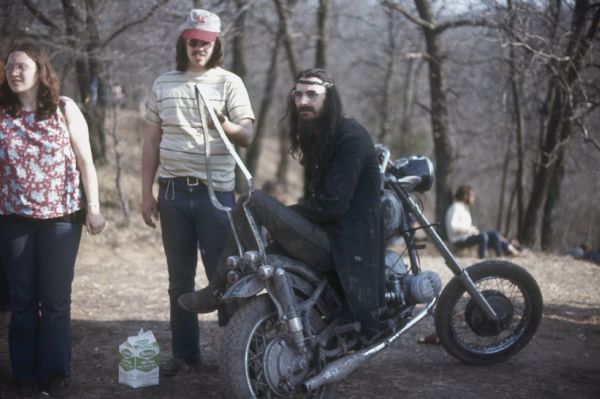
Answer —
(38, 169)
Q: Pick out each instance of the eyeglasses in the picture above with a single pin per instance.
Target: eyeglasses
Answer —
(195, 43)
(17, 67)
(311, 95)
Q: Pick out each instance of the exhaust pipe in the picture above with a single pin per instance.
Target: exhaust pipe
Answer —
(341, 368)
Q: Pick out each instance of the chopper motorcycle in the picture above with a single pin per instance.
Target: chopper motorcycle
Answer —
(286, 338)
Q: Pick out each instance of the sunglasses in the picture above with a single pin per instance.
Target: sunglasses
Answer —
(195, 43)
(311, 95)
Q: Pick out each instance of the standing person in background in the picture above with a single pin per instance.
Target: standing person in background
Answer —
(463, 233)
(174, 145)
(44, 152)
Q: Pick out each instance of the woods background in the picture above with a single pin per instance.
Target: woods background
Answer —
(502, 95)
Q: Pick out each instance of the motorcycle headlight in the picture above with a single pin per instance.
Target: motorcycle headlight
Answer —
(416, 165)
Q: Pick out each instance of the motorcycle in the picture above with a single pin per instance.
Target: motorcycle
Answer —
(286, 338)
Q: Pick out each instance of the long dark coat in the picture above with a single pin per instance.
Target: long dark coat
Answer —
(343, 194)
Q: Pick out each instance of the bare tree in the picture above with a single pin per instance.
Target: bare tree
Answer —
(322, 22)
(81, 35)
(518, 115)
(562, 103)
(283, 11)
(387, 114)
(253, 153)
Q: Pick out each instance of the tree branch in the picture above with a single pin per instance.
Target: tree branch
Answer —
(131, 24)
(414, 19)
(38, 15)
(459, 23)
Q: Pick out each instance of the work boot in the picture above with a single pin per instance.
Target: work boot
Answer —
(207, 299)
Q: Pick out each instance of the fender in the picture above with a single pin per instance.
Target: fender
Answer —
(246, 287)
(251, 285)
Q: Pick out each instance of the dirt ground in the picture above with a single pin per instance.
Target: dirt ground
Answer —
(121, 286)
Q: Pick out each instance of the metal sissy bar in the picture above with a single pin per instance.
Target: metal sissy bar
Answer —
(203, 106)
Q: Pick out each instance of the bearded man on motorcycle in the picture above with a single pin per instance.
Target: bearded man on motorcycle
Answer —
(336, 226)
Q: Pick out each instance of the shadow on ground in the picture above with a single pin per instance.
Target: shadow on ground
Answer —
(563, 360)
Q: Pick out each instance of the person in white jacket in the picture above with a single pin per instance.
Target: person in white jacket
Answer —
(463, 233)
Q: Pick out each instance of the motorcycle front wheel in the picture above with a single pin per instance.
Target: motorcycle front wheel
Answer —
(465, 331)
(255, 354)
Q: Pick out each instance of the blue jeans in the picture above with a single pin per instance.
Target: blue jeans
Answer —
(4, 288)
(484, 240)
(189, 223)
(293, 235)
(40, 262)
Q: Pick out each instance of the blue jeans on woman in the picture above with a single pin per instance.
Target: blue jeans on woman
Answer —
(484, 240)
(4, 288)
(40, 261)
(189, 223)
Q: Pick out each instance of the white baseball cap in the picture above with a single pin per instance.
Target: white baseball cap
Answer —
(202, 25)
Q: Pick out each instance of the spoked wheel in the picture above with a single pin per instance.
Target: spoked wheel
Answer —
(466, 332)
(259, 360)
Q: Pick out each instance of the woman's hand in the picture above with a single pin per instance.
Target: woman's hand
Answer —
(94, 222)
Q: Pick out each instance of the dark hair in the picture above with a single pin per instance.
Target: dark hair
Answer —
(302, 147)
(182, 61)
(462, 192)
(48, 91)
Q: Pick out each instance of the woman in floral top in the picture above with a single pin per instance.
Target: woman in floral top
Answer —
(44, 154)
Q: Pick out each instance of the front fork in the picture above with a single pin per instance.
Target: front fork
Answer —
(279, 287)
(450, 260)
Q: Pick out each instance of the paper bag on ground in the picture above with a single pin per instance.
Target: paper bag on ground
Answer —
(138, 360)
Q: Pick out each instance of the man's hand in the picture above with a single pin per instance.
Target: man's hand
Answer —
(149, 211)
(220, 116)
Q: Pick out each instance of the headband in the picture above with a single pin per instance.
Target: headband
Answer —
(312, 82)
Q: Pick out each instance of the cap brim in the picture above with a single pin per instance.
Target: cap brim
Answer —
(198, 34)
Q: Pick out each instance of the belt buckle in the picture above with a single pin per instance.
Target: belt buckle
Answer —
(192, 181)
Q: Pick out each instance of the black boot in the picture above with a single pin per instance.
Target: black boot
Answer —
(207, 299)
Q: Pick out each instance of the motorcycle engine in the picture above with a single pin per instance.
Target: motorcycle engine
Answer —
(404, 288)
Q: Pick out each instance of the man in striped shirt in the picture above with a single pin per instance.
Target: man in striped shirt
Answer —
(174, 146)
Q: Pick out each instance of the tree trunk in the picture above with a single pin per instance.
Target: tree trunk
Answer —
(321, 48)
(96, 112)
(517, 115)
(239, 68)
(253, 153)
(439, 114)
(283, 11)
(292, 56)
(387, 114)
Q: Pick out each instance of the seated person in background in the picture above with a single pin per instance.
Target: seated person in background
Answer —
(462, 233)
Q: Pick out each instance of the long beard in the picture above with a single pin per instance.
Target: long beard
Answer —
(308, 132)
(306, 129)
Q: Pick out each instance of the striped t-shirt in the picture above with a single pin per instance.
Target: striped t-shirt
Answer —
(172, 104)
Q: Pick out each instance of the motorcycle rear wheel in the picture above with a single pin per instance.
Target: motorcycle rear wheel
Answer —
(246, 340)
(468, 335)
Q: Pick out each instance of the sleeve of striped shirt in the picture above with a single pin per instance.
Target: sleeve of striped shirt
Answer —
(238, 101)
